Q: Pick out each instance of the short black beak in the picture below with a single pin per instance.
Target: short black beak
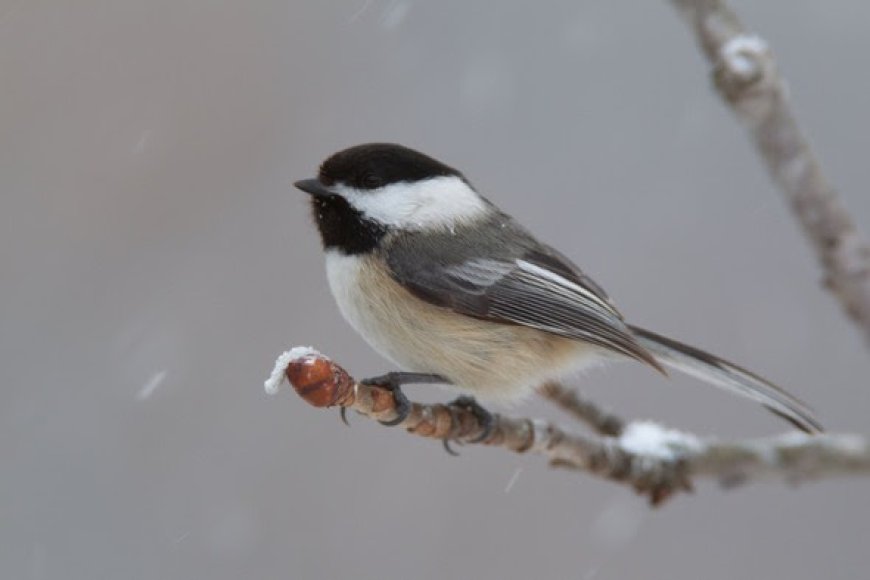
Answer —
(313, 187)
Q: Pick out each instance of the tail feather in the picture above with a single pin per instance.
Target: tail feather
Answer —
(721, 373)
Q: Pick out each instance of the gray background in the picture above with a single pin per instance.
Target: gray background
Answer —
(148, 231)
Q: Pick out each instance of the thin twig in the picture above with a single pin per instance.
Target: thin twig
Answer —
(655, 461)
(745, 75)
(600, 420)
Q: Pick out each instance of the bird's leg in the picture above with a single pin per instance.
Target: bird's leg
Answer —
(393, 382)
(484, 417)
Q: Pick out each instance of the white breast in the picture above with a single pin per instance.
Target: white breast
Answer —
(358, 302)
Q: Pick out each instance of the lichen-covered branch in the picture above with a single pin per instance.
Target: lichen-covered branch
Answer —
(746, 76)
(655, 461)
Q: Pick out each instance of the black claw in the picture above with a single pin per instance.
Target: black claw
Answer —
(403, 408)
(343, 414)
(446, 443)
(393, 383)
(484, 417)
(448, 440)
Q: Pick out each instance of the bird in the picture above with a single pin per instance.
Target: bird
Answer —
(451, 289)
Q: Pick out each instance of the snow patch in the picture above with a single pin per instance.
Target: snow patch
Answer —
(740, 53)
(652, 440)
(274, 381)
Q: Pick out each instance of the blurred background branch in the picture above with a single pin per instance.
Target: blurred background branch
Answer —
(745, 75)
(655, 461)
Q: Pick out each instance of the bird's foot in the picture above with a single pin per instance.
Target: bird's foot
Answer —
(393, 382)
(484, 418)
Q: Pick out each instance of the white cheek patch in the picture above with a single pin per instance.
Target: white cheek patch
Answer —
(439, 201)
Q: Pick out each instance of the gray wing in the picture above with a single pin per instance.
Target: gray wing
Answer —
(509, 277)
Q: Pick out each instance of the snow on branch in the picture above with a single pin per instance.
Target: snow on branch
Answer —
(745, 75)
(655, 461)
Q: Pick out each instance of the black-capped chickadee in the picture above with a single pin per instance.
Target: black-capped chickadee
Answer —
(451, 289)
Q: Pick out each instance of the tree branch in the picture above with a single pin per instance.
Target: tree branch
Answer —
(599, 420)
(745, 75)
(655, 461)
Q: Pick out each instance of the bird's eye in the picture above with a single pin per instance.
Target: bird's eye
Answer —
(372, 181)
